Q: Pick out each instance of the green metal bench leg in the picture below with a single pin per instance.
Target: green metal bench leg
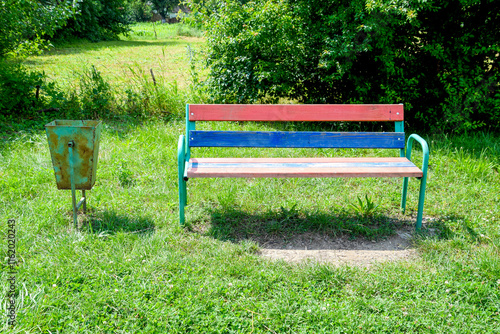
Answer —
(421, 199)
(182, 200)
(182, 218)
(404, 194)
(423, 180)
(181, 156)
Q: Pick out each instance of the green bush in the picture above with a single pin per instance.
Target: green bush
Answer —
(28, 99)
(25, 93)
(138, 11)
(440, 58)
(30, 95)
(97, 20)
(26, 24)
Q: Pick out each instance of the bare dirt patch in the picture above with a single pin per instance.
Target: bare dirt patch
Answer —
(340, 250)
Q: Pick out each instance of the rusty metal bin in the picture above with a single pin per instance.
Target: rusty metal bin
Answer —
(74, 148)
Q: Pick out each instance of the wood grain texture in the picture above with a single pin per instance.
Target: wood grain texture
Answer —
(282, 165)
(303, 139)
(298, 160)
(296, 112)
(302, 167)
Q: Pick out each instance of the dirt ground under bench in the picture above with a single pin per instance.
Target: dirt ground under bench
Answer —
(341, 250)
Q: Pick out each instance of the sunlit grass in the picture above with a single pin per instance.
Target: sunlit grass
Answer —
(167, 55)
(137, 270)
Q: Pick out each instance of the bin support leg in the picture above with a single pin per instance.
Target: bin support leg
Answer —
(84, 201)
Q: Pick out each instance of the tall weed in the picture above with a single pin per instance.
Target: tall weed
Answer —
(151, 95)
(96, 96)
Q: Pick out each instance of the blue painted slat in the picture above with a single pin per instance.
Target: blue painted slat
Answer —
(303, 139)
(301, 165)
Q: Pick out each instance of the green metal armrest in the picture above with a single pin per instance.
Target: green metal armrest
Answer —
(425, 151)
(181, 150)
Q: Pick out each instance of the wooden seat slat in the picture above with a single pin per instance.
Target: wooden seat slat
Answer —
(289, 167)
(301, 159)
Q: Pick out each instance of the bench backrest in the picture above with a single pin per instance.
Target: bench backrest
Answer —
(313, 113)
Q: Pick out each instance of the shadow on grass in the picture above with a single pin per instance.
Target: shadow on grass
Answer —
(84, 47)
(14, 128)
(112, 222)
(451, 226)
(235, 225)
(118, 126)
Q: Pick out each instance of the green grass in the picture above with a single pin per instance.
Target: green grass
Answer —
(136, 270)
(167, 55)
(130, 267)
(136, 77)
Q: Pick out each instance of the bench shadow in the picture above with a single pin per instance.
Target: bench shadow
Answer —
(334, 238)
(298, 229)
(439, 227)
(293, 229)
(111, 222)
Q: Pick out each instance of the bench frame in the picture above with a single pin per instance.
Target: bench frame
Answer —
(358, 112)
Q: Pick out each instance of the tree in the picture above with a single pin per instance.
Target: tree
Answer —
(27, 24)
(163, 6)
(97, 20)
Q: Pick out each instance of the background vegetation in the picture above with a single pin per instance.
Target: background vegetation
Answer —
(146, 74)
(96, 20)
(26, 24)
(440, 58)
(29, 94)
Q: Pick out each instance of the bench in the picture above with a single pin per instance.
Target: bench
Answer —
(399, 166)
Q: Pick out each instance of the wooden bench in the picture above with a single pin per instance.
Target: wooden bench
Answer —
(400, 166)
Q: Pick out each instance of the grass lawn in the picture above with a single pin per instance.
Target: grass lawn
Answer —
(166, 54)
(131, 268)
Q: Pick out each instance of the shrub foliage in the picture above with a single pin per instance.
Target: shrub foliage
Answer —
(98, 20)
(18, 90)
(26, 24)
(438, 57)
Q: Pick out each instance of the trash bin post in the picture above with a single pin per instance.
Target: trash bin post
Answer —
(83, 200)
(71, 144)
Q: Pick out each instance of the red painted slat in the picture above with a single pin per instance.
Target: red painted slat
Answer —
(296, 112)
(256, 172)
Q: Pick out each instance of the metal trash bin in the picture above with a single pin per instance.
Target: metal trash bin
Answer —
(74, 149)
